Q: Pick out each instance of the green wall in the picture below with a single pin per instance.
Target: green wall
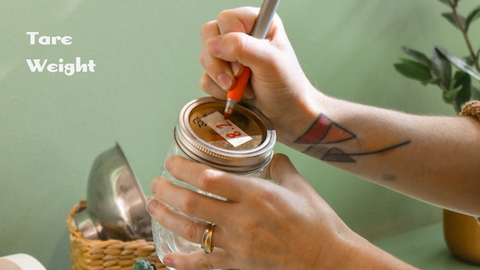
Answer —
(52, 126)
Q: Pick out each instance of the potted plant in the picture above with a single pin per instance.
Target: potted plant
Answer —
(456, 77)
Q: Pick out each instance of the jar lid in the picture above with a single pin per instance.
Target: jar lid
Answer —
(242, 144)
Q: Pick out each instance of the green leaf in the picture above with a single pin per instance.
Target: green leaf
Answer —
(435, 81)
(441, 69)
(469, 60)
(458, 62)
(463, 83)
(420, 57)
(475, 14)
(414, 70)
(453, 20)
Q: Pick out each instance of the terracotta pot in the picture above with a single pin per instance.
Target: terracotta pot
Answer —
(462, 234)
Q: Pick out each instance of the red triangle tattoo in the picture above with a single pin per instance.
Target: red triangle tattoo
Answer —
(324, 130)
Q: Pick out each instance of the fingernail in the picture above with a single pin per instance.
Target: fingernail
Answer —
(152, 206)
(248, 95)
(168, 262)
(224, 81)
(236, 68)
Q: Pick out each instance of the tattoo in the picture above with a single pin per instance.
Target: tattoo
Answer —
(324, 131)
(337, 155)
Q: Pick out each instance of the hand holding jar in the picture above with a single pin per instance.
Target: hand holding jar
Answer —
(260, 225)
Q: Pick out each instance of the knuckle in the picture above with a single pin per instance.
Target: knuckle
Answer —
(207, 28)
(239, 43)
(208, 178)
(190, 204)
(190, 231)
(224, 16)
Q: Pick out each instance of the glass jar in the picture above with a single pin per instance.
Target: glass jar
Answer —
(243, 144)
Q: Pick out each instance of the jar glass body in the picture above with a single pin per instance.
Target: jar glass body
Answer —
(193, 142)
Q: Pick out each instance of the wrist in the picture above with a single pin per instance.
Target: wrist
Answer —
(365, 255)
(301, 113)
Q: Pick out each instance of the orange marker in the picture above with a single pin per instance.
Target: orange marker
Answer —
(235, 94)
(260, 29)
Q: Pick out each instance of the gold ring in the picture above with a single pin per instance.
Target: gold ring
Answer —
(207, 238)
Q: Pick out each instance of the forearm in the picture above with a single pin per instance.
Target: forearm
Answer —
(427, 157)
(367, 256)
(357, 253)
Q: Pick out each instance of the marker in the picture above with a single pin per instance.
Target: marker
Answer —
(260, 29)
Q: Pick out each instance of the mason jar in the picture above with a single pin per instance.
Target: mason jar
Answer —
(243, 144)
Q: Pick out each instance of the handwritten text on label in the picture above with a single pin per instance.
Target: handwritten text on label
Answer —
(227, 129)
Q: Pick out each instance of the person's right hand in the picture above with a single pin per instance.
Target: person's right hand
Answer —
(278, 87)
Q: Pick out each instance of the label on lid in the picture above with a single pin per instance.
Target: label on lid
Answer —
(227, 129)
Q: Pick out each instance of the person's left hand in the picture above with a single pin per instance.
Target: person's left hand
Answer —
(261, 225)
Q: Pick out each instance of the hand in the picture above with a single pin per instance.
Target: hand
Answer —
(278, 87)
(261, 225)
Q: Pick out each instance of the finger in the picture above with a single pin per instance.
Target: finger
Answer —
(205, 178)
(282, 172)
(191, 229)
(240, 20)
(237, 20)
(218, 70)
(235, 45)
(210, 87)
(171, 219)
(218, 259)
(190, 202)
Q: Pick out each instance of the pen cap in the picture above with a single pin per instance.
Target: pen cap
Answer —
(243, 144)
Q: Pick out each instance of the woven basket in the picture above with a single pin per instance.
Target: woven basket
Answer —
(106, 255)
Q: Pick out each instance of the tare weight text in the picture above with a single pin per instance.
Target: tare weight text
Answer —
(38, 65)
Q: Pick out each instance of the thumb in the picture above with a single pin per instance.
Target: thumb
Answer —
(283, 172)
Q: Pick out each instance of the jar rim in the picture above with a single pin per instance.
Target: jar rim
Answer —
(193, 146)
